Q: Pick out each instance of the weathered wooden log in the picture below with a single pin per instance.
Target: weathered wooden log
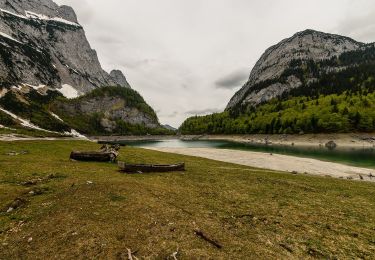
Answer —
(133, 168)
(93, 156)
(106, 154)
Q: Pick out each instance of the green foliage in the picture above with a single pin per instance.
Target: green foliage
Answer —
(339, 100)
(6, 120)
(131, 97)
(34, 109)
(90, 123)
(325, 114)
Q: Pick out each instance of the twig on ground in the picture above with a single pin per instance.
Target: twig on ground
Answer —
(200, 234)
(174, 255)
(130, 255)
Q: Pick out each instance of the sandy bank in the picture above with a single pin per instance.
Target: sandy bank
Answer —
(276, 162)
(351, 140)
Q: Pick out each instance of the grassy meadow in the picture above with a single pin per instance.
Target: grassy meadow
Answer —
(74, 210)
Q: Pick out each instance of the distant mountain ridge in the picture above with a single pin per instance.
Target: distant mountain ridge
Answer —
(270, 77)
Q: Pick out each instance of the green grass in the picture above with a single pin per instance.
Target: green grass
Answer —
(252, 213)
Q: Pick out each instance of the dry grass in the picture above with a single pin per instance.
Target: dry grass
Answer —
(252, 213)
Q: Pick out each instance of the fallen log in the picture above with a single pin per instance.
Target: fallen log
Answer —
(93, 156)
(144, 168)
(106, 154)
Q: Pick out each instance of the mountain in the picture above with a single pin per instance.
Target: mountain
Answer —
(273, 74)
(43, 44)
(108, 110)
(168, 127)
(47, 62)
(313, 82)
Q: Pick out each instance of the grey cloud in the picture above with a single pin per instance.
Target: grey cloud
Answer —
(203, 111)
(360, 27)
(233, 80)
(108, 39)
(169, 115)
(173, 114)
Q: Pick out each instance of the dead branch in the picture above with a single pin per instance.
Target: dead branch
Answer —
(130, 255)
(200, 234)
(174, 255)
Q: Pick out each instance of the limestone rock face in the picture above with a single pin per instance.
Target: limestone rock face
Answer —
(119, 78)
(42, 43)
(113, 108)
(266, 82)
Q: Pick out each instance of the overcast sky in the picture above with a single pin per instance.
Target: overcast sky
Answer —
(189, 57)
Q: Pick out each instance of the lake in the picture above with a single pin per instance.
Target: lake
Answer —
(362, 157)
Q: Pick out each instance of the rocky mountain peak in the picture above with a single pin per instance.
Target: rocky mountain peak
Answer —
(67, 13)
(44, 7)
(119, 78)
(43, 44)
(308, 45)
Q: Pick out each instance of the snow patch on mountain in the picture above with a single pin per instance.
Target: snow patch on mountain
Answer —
(68, 91)
(9, 37)
(56, 116)
(24, 122)
(3, 92)
(76, 134)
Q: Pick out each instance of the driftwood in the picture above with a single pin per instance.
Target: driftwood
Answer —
(200, 234)
(106, 154)
(134, 168)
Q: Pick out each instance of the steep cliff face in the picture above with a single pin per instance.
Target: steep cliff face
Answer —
(273, 74)
(43, 44)
(51, 79)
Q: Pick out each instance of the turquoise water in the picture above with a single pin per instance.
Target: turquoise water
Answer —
(363, 157)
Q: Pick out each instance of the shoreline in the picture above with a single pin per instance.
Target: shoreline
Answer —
(277, 162)
(347, 141)
(350, 140)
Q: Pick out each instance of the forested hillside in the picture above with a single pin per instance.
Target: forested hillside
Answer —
(341, 100)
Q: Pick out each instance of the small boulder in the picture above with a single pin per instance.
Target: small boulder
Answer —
(331, 145)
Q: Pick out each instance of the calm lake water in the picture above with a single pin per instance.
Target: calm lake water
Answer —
(363, 157)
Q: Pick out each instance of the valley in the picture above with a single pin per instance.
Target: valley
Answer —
(284, 169)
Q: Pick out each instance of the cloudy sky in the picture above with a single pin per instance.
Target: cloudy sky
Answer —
(189, 57)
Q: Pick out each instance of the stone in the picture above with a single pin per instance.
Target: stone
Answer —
(331, 145)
